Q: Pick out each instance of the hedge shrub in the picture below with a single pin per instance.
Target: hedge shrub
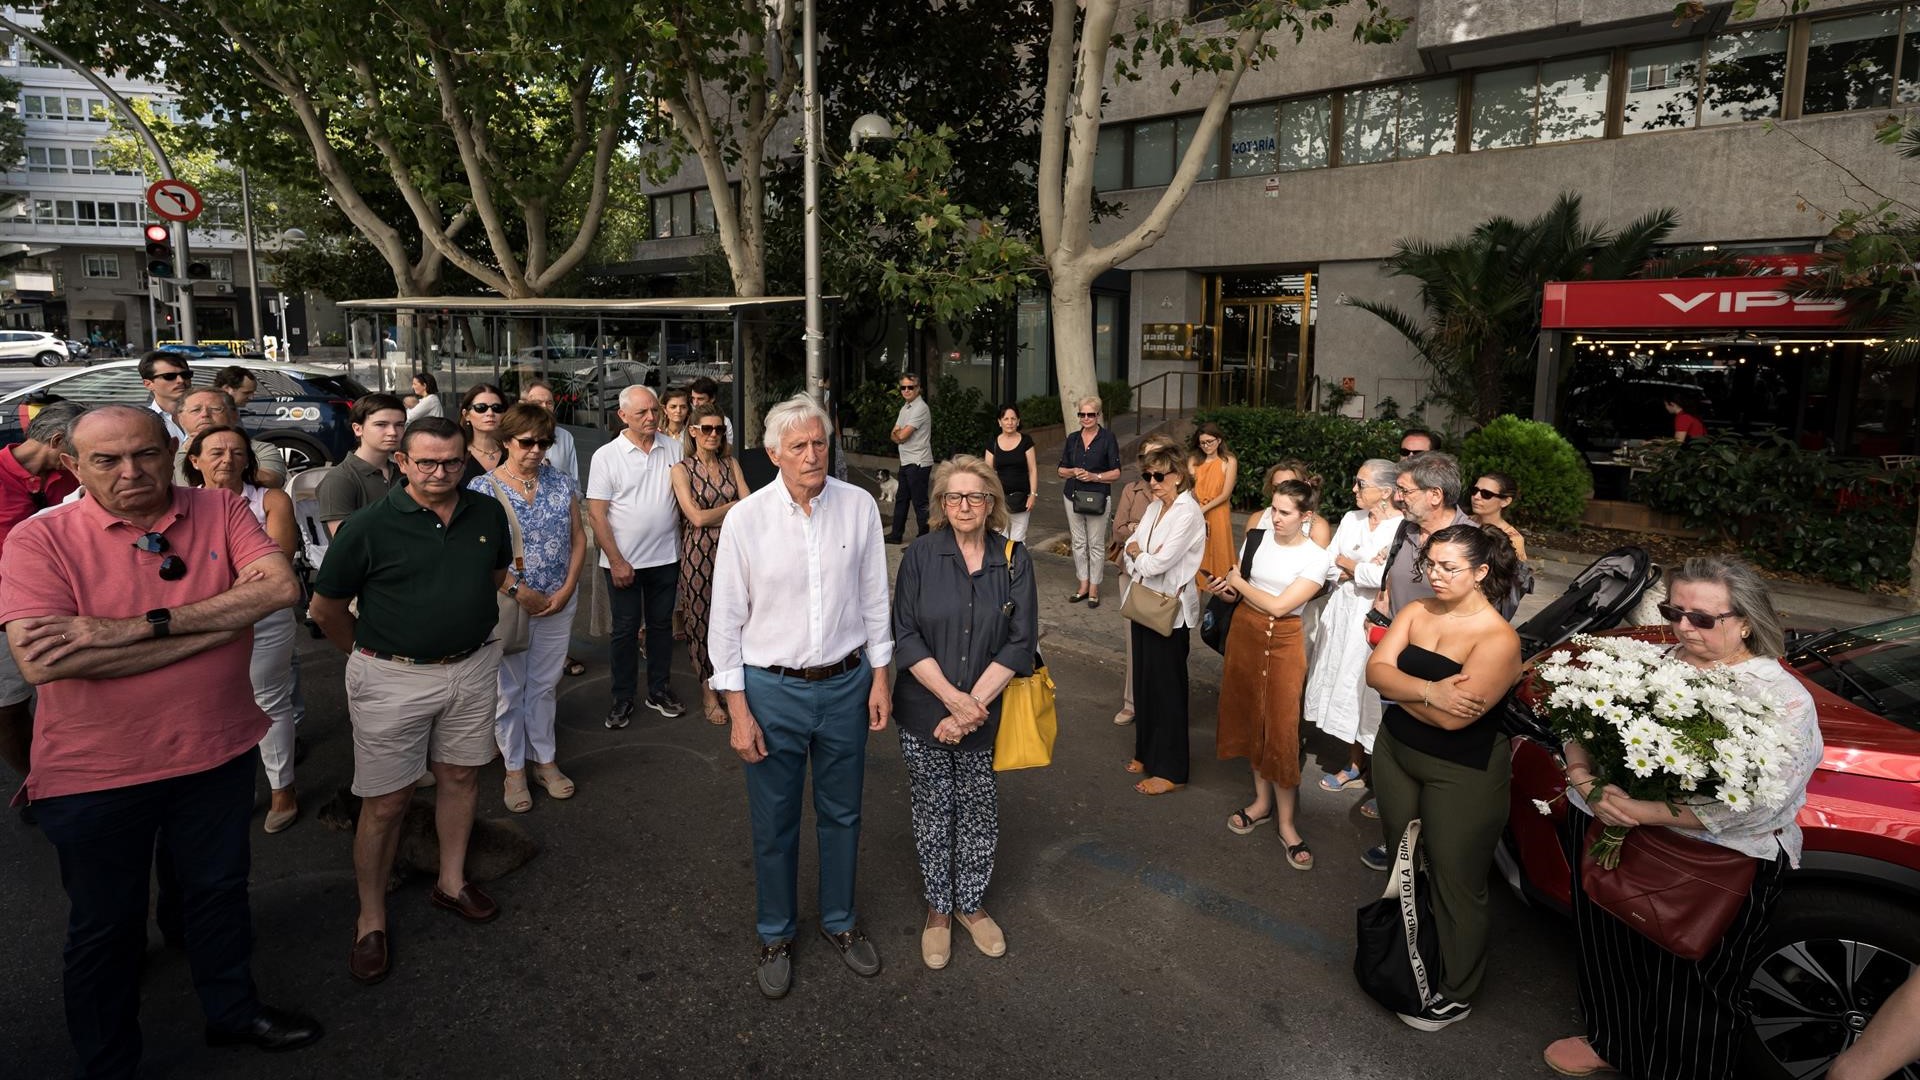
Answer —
(962, 417)
(1332, 446)
(1043, 410)
(1789, 508)
(1554, 480)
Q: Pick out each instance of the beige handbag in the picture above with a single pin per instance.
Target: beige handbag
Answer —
(513, 627)
(1151, 608)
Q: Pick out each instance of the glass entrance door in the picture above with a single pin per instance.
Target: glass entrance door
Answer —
(1262, 350)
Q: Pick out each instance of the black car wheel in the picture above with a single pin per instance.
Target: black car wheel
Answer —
(302, 454)
(48, 358)
(1829, 959)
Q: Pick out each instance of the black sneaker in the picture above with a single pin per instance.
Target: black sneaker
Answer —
(896, 539)
(664, 703)
(856, 950)
(775, 975)
(1376, 858)
(620, 715)
(1438, 1014)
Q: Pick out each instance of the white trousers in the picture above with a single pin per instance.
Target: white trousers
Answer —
(1089, 533)
(272, 671)
(1017, 526)
(530, 690)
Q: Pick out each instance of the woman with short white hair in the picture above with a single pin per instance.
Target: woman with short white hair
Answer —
(1089, 463)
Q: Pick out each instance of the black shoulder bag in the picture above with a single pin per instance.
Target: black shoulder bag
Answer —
(1217, 620)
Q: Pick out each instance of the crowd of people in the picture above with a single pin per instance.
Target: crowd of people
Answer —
(168, 682)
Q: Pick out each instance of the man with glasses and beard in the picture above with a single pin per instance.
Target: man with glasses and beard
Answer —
(1428, 492)
(132, 612)
(168, 378)
(913, 431)
(420, 690)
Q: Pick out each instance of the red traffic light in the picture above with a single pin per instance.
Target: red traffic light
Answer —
(158, 234)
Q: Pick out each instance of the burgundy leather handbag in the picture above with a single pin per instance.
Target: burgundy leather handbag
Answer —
(1678, 892)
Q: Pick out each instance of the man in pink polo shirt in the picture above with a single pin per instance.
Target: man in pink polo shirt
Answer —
(132, 612)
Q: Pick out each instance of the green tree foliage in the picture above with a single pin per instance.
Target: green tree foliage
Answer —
(1332, 446)
(1481, 296)
(13, 130)
(1553, 478)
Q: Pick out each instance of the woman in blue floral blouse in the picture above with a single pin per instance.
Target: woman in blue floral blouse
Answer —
(546, 503)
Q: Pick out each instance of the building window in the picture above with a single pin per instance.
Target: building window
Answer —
(1663, 88)
(1188, 127)
(1252, 140)
(1557, 101)
(1153, 161)
(1405, 120)
(703, 212)
(49, 107)
(1306, 127)
(1850, 64)
(1744, 73)
(102, 266)
(1110, 159)
(683, 213)
(86, 212)
(1503, 108)
(219, 267)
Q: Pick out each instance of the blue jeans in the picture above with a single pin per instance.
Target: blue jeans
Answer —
(647, 602)
(105, 840)
(823, 723)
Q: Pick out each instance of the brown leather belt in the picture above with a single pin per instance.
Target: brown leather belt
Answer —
(816, 674)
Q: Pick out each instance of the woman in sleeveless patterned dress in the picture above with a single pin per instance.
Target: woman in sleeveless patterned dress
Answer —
(707, 483)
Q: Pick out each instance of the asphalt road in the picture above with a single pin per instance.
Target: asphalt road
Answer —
(1144, 938)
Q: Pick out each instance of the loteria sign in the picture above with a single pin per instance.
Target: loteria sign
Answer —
(1732, 303)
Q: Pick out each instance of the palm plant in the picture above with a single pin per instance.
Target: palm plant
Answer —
(1482, 295)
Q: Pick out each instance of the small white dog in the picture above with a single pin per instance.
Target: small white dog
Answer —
(889, 487)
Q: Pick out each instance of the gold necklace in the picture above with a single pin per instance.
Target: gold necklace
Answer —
(1469, 614)
(527, 484)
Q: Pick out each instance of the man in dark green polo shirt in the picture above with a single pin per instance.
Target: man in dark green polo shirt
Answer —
(368, 473)
(422, 666)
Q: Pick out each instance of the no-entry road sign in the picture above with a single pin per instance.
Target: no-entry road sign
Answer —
(175, 200)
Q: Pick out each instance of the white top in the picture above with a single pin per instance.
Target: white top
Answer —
(637, 486)
(1170, 553)
(173, 429)
(563, 455)
(1764, 830)
(426, 406)
(918, 449)
(1277, 565)
(256, 497)
(1359, 540)
(775, 563)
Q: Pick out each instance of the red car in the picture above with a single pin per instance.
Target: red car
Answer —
(1846, 933)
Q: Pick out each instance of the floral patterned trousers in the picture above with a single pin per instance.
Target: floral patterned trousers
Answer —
(956, 821)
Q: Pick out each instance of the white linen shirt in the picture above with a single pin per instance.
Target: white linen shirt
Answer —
(1170, 553)
(563, 456)
(637, 486)
(777, 565)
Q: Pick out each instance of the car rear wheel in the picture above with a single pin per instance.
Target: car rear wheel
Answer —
(302, 454)
(48, 358)
(1829, 959)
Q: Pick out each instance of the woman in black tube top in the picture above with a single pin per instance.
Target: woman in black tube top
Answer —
(1445, 664)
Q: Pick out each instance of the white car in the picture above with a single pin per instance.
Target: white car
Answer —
(35, 345)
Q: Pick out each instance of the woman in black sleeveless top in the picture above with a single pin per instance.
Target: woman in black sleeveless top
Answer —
(1011, 454)
(1446, 663)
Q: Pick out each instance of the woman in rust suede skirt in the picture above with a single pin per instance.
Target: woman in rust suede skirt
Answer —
(1265, 675)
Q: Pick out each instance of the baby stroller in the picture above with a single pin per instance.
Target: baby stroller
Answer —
(1598, 599)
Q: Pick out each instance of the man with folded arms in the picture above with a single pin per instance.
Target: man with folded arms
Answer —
(801, 635)
(132, 612)
(422, 664)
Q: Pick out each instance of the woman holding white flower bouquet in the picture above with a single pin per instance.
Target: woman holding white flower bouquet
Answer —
(1445, 663)
(1650, 1014)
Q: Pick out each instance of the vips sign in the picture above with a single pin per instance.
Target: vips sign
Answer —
(1733, 303)
(1166, 341)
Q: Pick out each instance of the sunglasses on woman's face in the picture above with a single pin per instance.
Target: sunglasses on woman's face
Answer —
(1699, 620)
(486, 407)
(1158, 477)
(1089, 416)
(710, 429)
(527, 442)
(1483, 493)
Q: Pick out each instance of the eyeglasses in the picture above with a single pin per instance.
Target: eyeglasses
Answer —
(1407, 493)
(906, 386)
(170, 376)
(1157, 477)
(486, 407)
(1699, 620)
(1423, 566)
(173, 567)
(1406, 453)
(1483, 493)
(710, 429)
(1088, 415)
(427, 465)
(526, 442)
(971, 498)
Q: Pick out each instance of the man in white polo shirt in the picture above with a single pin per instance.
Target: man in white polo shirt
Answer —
(636, 522)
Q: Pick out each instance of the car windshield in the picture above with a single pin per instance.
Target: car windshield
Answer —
(1876, 666)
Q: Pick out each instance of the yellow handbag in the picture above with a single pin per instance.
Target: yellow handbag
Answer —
(1028, 722)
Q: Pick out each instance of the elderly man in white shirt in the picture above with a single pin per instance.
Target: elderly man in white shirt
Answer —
(801, 636)
(636, 522)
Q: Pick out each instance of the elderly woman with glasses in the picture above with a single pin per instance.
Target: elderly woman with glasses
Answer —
(1339, 702)
(965, 620)
(1164, 555)
(545, 503)
(707, 483)
(1693, 1026)
(1089, 463)
(480, 410)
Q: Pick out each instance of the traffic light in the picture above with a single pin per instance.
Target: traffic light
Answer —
(159, 251)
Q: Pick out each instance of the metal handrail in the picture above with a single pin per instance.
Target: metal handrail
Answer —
(1139, 409)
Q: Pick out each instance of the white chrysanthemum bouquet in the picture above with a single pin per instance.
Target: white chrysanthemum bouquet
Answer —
(1661, 729)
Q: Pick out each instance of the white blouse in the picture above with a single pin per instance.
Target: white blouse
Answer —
(1277, 565)
(1171, 547)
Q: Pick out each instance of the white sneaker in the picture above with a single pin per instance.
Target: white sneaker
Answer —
(1123, 717)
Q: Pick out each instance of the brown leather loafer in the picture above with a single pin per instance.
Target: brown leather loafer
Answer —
(471, 905)
(368, 963)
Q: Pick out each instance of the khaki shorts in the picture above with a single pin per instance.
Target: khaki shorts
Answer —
(405, 715)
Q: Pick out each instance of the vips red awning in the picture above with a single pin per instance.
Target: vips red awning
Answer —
(1733, 303)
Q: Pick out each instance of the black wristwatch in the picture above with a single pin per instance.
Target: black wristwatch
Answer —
(161, 620)
(513, 589)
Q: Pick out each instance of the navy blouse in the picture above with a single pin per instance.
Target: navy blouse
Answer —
(965, 621)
